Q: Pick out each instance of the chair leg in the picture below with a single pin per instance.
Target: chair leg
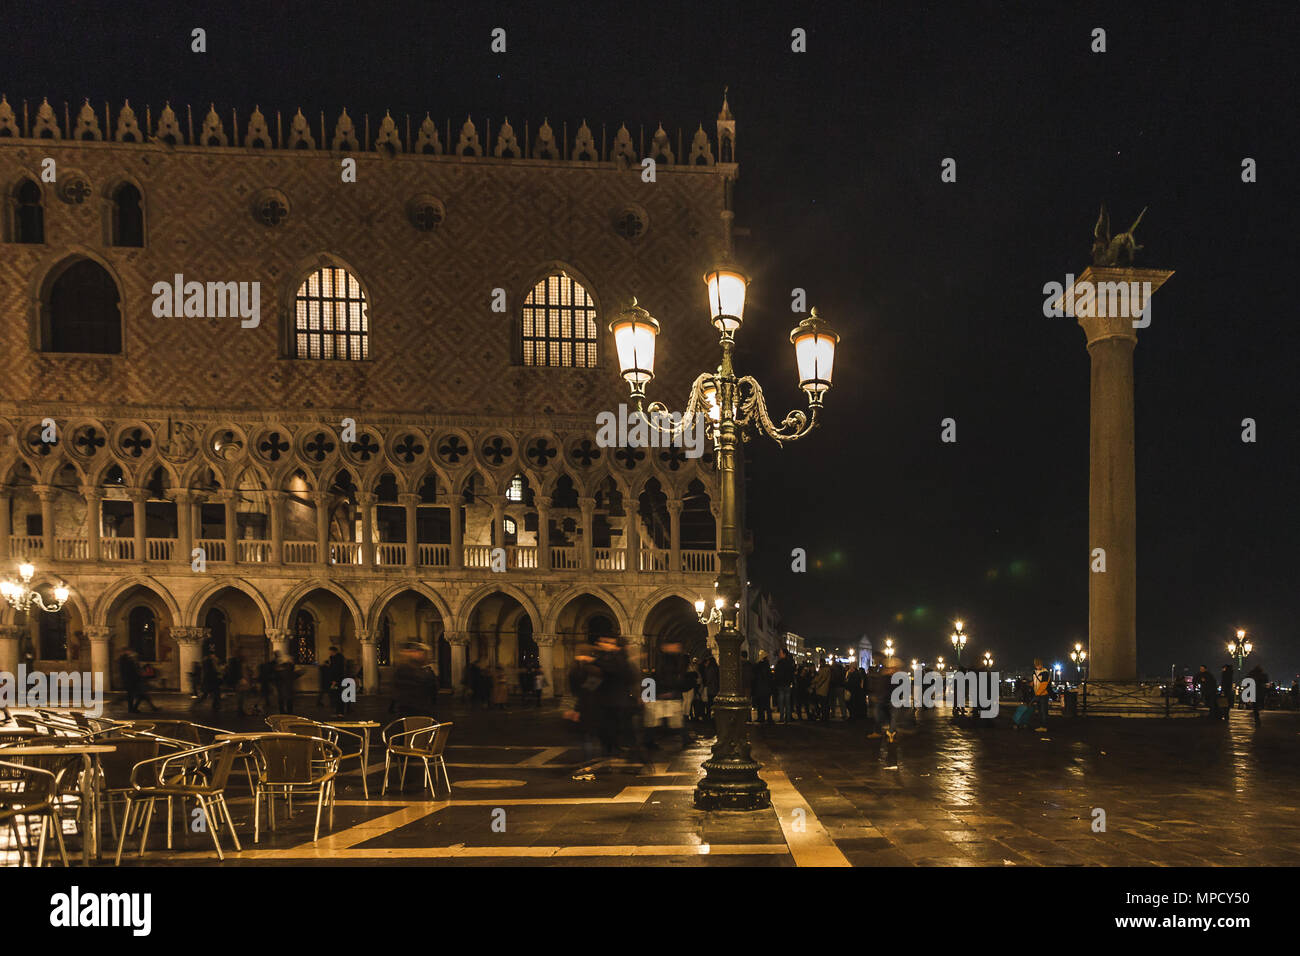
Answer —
(112, 815)
(333, 797)
(428, 782)
(388, 756)
(212, 829)
(320, 801)
(126, 825)
(48, 818)
(257, 814)
(169, 822)
(221, 799)
(58, 837)
(401, 785)
(442, 762)
(148, 819)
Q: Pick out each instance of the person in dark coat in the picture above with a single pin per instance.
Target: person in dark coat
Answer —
(1209, 688)
(712, 681)
(266, 680)
(335, 669)
(761, 688)
(803, 692)
(210, 685)
(856, 680)
(783, 678)
(1261, 683)
(584, 682)
(285, 675)
(1225, 686)
(414, 685)
(231, 679)
(129, 673)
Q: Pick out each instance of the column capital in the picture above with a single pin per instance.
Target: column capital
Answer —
(98, 633)
(276, 494)
(46, 492)
(586, 504)
(228, 496)
(89, 492)
(368, 637)
(274, 634)
(457, 640)
(408, 498)
(187, 635)
(674, 505)
(11, 631)
(545, 640)
(541, 504)
(319, 495)
(181, 496)
(366, 498)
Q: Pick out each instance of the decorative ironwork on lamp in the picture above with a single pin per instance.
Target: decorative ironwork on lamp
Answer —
(21, 595)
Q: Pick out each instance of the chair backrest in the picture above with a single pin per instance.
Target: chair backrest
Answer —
(28, 788)
(301, 727)
(181, 730)
(439, 742)
(287, 758)
(277, 721)
(221, 758)
(405, 724)
(117, 766)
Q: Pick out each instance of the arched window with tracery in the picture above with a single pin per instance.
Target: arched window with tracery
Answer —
(82, 311)
(28, 212)
(128, 216)
(559, 324)
(304, 638)
(331, 319)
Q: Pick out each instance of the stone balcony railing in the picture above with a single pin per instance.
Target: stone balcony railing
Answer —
(388, 555)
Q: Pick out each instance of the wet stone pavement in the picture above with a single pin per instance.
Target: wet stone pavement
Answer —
(1177, 792)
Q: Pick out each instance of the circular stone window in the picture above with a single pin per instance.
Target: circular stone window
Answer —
(74, 190)
(631, 222)
(271, 208)
(426, 213)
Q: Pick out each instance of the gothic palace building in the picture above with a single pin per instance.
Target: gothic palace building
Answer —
(381, 379)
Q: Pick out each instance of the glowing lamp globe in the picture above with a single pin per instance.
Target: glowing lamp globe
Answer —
(814, 351)
(634, 339)
(726, 297)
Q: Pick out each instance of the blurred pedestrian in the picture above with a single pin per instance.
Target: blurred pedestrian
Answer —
(761, 688)
(783, 678)
(821, 690)
(1226, 689)
(1209, 688)
(1042, 688)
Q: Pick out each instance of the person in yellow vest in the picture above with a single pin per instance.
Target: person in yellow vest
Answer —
(1042, 687)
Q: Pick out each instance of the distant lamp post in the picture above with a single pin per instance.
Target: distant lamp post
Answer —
(1079, 656)
(21, 595)
(988, 661)
(940, 665)
(889, 650)
(1239, 649)
(733, 405)
(958, 641)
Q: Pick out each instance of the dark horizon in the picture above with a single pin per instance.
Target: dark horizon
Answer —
(936, 287)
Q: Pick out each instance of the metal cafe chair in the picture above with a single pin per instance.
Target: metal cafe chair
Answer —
(288, 764)
(31, 792)
(421, 738)
(163, 777)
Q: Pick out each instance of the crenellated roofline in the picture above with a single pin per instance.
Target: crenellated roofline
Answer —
(420, 137)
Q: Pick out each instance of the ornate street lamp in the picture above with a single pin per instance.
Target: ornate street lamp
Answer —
(958, 640)
(1078, 655)
(21, 595)
(988, 661)
(1239, 649)
(733, 404)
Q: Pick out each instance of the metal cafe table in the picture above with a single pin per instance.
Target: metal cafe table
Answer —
(364, 727)
(89, 754)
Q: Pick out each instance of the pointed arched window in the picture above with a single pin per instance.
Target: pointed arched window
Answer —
(82, 311)
(331, 320)
(559, 324)
(128, 216)
(28, 213)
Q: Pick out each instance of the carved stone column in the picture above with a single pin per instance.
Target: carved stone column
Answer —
(675, 534)
(588, 509)
(322, 502)
(369, 661)
(47, 493)
(632, 533)
(229, 499)
(459, 656)
(636, 654)
(457, 531)
(546, 659)
(498, 521)
(1112, 481)
(543, 535)
(366, 502)
(10, 640)
(189, 646)
(277, 526)
(411, 503)
(279, 640)
(139, 527)
(100, 638)
(184, 525)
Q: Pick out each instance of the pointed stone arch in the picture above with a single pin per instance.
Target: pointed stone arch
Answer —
(381, 602)
(471, 602)
(283, 617)
(123, 585)
(208, 591)
(562, 601)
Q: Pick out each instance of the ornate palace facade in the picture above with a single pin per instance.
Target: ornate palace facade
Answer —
(276, 386)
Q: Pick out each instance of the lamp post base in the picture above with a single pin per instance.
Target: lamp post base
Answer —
(731, 780)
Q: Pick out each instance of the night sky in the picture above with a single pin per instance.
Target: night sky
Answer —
(936, 287)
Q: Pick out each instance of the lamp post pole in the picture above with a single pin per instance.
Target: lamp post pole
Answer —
(730, 403)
